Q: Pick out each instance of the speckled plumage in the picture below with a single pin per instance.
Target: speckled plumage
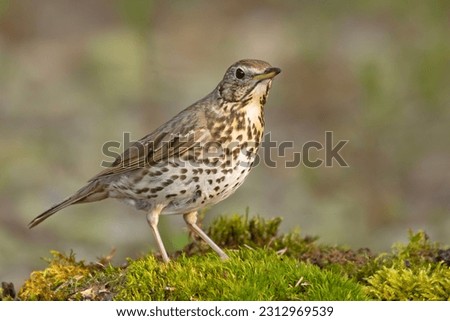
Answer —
(198, 158)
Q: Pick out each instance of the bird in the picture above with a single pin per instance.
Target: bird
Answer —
(195, 160)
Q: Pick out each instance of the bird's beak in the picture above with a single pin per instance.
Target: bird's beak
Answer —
(269, 73)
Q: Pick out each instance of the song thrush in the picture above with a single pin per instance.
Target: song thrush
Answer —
(198, 158)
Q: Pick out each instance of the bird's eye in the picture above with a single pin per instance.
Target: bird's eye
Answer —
(240, 73)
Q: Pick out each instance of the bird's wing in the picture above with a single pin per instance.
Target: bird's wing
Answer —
(168, 142)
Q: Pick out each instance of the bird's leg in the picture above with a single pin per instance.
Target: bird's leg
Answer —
(152, 219)
(191, 221)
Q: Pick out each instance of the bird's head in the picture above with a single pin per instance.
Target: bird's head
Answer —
(246, 78)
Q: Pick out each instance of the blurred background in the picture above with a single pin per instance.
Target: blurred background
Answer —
(76, 74)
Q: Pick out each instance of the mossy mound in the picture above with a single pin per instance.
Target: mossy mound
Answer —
(248, 275)
(236, 230)
(263, 265)
(415, 271)
(431, 283)
(61, 280)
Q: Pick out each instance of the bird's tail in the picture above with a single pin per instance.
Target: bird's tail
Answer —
(94, 191)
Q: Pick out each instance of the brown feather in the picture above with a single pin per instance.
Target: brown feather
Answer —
(94, 191)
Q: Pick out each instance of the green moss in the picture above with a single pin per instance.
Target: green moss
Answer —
(68, 279)
(412, 272)
(248, 275)
(256, 232)
(418, 250)
(59, 281)
(263, 265)
(102, 284)
(236, 230)
(418, 284)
